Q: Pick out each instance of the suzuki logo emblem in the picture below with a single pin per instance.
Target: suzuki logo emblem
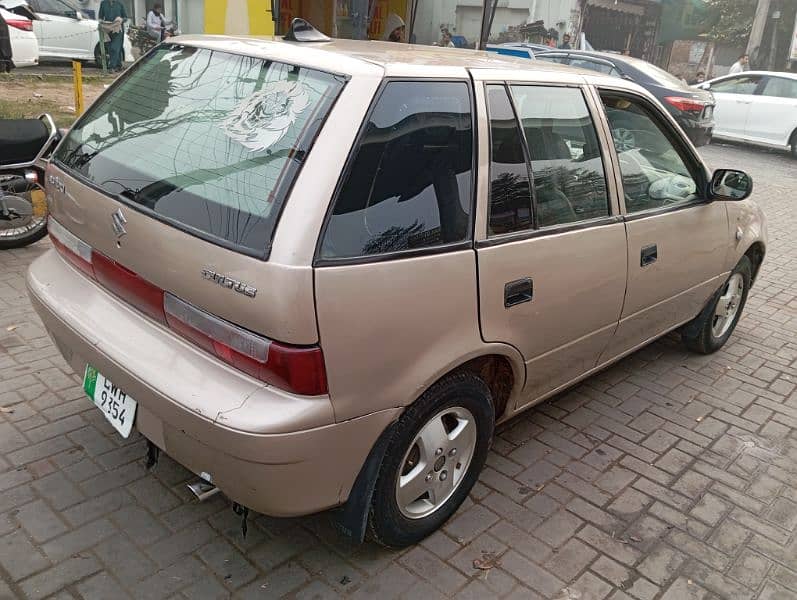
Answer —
(118, 221)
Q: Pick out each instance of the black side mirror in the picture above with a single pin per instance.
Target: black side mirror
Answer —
(730, 184)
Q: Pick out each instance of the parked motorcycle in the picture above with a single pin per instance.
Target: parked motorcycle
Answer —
(25, 147)
(141, 39)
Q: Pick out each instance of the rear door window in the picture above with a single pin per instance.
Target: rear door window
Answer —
(566, 161)
(410, 180)
(780, 87)
(207, 141)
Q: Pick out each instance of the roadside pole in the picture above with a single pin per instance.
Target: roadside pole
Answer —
(757, 32)
(77, 79)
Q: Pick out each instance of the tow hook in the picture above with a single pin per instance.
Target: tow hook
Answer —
(153, 453)
(242, 512)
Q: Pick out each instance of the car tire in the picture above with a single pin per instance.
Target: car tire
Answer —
(794, 145)
(715, 324)
(437, 450)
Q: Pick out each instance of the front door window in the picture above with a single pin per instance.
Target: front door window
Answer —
(654, 172)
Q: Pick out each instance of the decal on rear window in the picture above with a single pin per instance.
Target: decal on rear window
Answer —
(263, 119)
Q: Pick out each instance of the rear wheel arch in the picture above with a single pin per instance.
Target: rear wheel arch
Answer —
(504, 375)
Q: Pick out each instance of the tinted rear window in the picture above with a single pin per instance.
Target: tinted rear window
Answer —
(208, 141)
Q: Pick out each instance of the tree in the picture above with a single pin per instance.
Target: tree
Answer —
(730, 21)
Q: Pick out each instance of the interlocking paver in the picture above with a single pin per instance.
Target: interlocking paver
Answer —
(670, 476)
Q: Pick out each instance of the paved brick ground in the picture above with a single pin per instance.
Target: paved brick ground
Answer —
(670, 476)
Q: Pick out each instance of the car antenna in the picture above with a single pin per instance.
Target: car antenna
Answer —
(302, 31)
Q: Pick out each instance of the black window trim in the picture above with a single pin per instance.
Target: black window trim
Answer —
(604, 159)
(690, 157)
(260, 254)
(526, 157)
(466, 244)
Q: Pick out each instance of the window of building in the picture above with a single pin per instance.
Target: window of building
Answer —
(566, 162)
(409, 184)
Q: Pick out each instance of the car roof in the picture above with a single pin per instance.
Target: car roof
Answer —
(355, 56)
(785, 74)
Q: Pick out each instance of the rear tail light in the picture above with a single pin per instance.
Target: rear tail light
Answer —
(298, 369)
(685, 104)
(72, 248)
(130, 287)
(23, 24)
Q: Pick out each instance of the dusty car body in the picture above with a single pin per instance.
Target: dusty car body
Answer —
(324, 271)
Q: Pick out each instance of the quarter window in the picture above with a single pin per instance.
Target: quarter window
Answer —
(510, 195)
(409, 184)
(780, 87)
(566, 163)
(654, 172)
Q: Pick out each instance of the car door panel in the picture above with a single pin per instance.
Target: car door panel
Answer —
(773, 112)
(674, 288)
(677, 243)
(573, 252)
(578, 286)
(734, 97)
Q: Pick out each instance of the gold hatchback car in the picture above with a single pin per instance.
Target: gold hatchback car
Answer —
(318, 273)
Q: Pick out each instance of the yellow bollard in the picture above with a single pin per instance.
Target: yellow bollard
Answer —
(77, 78)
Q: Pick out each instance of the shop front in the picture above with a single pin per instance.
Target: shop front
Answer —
(627, 26)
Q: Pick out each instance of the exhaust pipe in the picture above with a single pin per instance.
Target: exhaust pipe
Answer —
(203, 488)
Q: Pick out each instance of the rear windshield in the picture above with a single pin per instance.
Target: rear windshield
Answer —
(658, 75)
(207, 141)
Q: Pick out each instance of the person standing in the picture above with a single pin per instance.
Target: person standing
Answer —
(565, 45)
(395, 28)
(155, 23)
(113, 11)
(740, 65)
(6, 55)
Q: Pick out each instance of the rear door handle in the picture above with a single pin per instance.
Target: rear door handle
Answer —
(650, 254)
(518, 292)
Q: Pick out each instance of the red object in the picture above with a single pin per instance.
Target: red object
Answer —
(297, 369)
(685, 104)
(23, 24)
(129, 286)
(74, 250)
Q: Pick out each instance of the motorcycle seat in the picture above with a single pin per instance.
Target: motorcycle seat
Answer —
(21, 140)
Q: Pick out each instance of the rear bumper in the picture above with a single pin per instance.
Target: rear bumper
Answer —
(699, 131)
(271, 451)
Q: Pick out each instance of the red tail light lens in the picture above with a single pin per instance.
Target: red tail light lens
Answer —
(685, 104)
(129, 286)
(297, 369)
(294, 368)
(72, 248)
(23, 24)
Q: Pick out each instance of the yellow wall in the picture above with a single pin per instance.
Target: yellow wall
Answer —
(254, 16)
(239, 17)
